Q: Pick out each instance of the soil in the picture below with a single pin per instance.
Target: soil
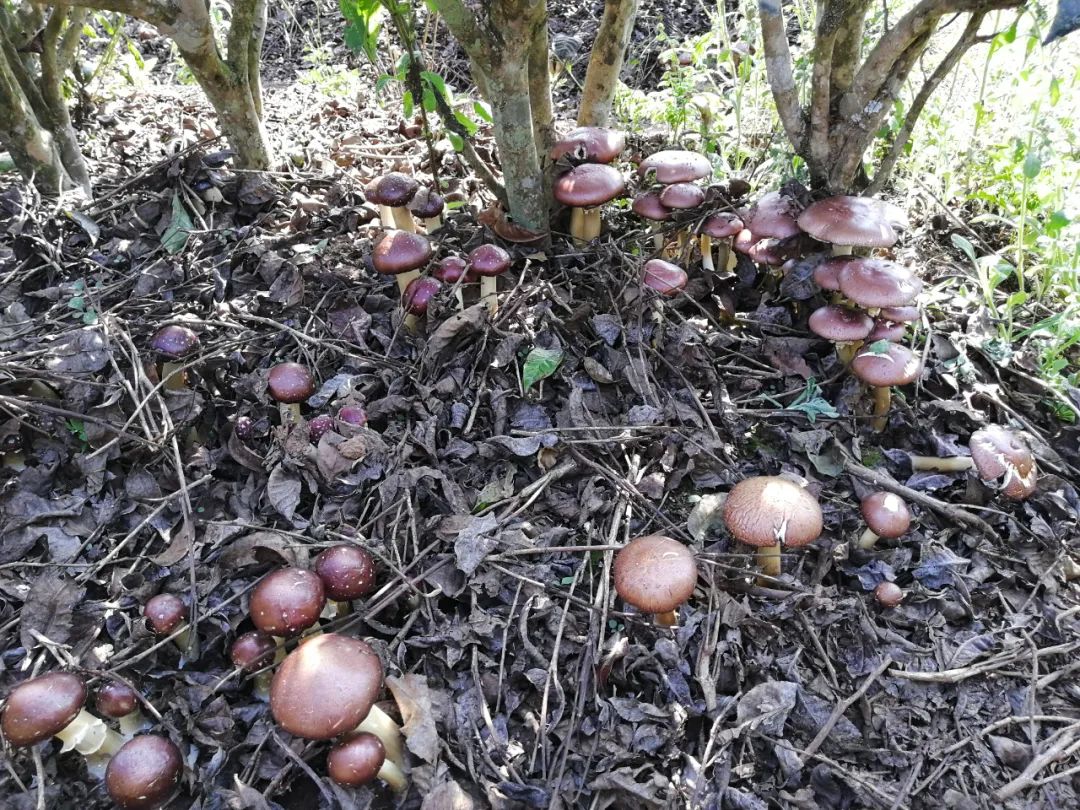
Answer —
(493, 505)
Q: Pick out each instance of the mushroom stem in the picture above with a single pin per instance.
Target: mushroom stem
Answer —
(868, 539)
(846, 350)
(841, 250)
(132, 723)
(262, 684)
(386, 217)
(726, 257)
(951, 464)
(489, 290)
(173, 376)
(658, 237)
(768, 559)
(667, 619)
(290, 413)
(382, 726)
(393, 776)
(89, 735)
(882, 401)
(403, 219)
(706, 253)
(403, 281)
(432, 223)
(15, 460)
(577, 225)
(593, 223)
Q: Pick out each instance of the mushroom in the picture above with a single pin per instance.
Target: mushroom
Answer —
(402, 254)
(675, 166)
(327, 687)
(886, 515)
(772, 217)
(419, 294)
(586, 188)
(118, 701)
(888, 594)
(361, 758)
(655, 574)
(429, 206)
(877, 283)
(648, 206)
(883, 365)
(848, 222)
(724, 226)
(386, 213)
(827, 275)
(145, 773)
(453, 270)
(663, 277)
(353, 415)
(289, 385)
(51, 705)
(319, 427)
(253, 652)
(682, 196)
(590, 145)
(347, 572)
(489, 262)
(287, 602)
(166, 613)
(996, 453)
(174, 343)
(845, 327)
(768, 510)
(396, 190)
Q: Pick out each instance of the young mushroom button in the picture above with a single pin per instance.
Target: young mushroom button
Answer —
(419, 295)
(454, 271)
(347, 572)
(886, 515)
(584, 189)
(655, 574)
(290, 384)
(888, 594)
(428, 205)
(489, 262)
(174, 343)
(361, 758)
(768, 510)
(395, 190)
(145, 773)
(287, 602)
(664, 278)
(120, 702)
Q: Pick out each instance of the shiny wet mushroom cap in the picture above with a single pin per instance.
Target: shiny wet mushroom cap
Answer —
(319, 427)
(419, 294)
(886, 514)
(290, 383)
(40, 707)
(176, 342)
(682, 196)
(840, 324)
(145, 773)
(590, 145)
(888, 594)
(252, 651)
(897, 365)
(648, 206)
(853, 221)
(886, 330)
(998, 453)
(488, 260)
(115, 699)
(164, 613)
(356, 760)
(287, 601)
(395, 189)
(766, 509)
(426, 204)
(878, 283)
(675, 166)
(353, 415)
(347, 572)
(450, 269)
(325, 687)
(772, 217)
(588, 186)
(655, 573)
(663, 277)
(400, 252)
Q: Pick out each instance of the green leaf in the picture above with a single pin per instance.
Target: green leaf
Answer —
(811, 403)
(407, 104)
(78, 429)
(438, 84)
(77, 303)
(962, 244)
(540, 364)
(89, 317)
(465, 121)
(878, 347)
(175, 238)
(1055, 91)
(456, 141)
(383, 81)
(428, 100)
(482, 110)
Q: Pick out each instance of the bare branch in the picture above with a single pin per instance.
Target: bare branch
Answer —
(778, 67)
(820, 99)
(848, 48)
(156, 12)
(606, 61)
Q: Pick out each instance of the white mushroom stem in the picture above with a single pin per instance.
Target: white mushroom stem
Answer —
(89, 735)
(841, 250)
(935, 464)
(16, 460)
(577, 225)
(768, 559)
(489, 290)
(404, 221)
(403, 281)
(432, 223)
(382, 726)
(706, 253)
(333, 609)
(868, 539)
(182, 638)
(882, 402)
(174, 377)
(132, 723)
(726, 256)
(386, 217)
(290, 413)
(393, 776)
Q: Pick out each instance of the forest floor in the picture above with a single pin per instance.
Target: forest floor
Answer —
(493, 505)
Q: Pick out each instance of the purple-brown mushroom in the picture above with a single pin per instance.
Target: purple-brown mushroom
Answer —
(145, 773)
(419, 294)
(663, 277)
(289, 385)
(488, 262)
(174, 343)
(655, 574)
(886, 515)
(360, 758)
(724, 227)
(118, 701)
(767, 511)
(584, 189)
(396, 190)
(882, 365)
(845, 327)
(848, 222)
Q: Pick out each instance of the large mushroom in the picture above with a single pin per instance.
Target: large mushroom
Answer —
(674, 166)
(768, 510)
(997, 454)
(655, 574)
(589, 145)
(848, 222)
(584, 189)
(287, 602)
(882, 365)
(174, 343)
(145, 773)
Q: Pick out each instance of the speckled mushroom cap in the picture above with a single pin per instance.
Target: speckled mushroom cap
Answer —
(319, 426)
(675, 166)
(145, 773)
(648, 205)
(855, 221)
(252, 651)
(886, 514)
(840, 324)
(353, 415)
(395, 189)
(827, 273)
(399, 252)
(896, 366)
(174, 341)
(356, 760)
(287, 601)
(878, 283)
(115, 699)
(655, 573)
(290, 383)
(722, 225)
(588, 185)
(772, 216)
(1000, 453)
(663, 277)
(768, 509)
(347, 572)
(426, 203)
(590, 144)
(419, 294)
(164, 613)
(40, 707)
(488, 260)
(325, 687)
(682, 196)
(887, 330)
(450, 269)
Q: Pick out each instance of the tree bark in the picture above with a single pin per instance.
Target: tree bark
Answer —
(53, 67)
(605, 64)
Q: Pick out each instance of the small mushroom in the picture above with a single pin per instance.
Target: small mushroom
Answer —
(845, 327)
(287, 601)
(663, 277)
(886, 515)
(848, 222)
(419, 295)
(888, 594)
(489, 262)
(361, 758)
(655, 574)
(724, 226)
(253, 653)
(120, 702)
(454, 271)
(145, 773)
(353, 415)
(174, 343)
(883, 365)
(429, 206)
(401, 254)
(682, 196)
(319, 427)
(290, 384)
(768, 510)
(585, 189)
(648, 206)
(166, 613)
(396, 190)
(347, 572)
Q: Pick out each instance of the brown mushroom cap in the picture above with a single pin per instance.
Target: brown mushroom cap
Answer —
(589, 185)
(675, 166)
(840, 324)
(648, 205)
(325, 687)
(419, 294)
(773, 216)
(878, 283)
(450, 269)
(888, 594)
(655, 573)
(855, 221)
(766, 251)
(287, 601)
(395, 189)
(827, 273)
(896, 366)
(900, 314)
(164, 613)
(347, 572)
(290, 383)
(115, 699)
(590, 144)
(399, 252)
(488, 260)
(1000, 453)
(885, 514)
(174, 341)
(252, 651)
(356, 760)
(40, 707)
(722, 225)
(145, 773)
(353, 415)
(682, 196)
(887, 330)
(663, 277)
(768, 509)
(426, 203)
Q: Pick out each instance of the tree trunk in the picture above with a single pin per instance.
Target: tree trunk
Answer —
(605, 64)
